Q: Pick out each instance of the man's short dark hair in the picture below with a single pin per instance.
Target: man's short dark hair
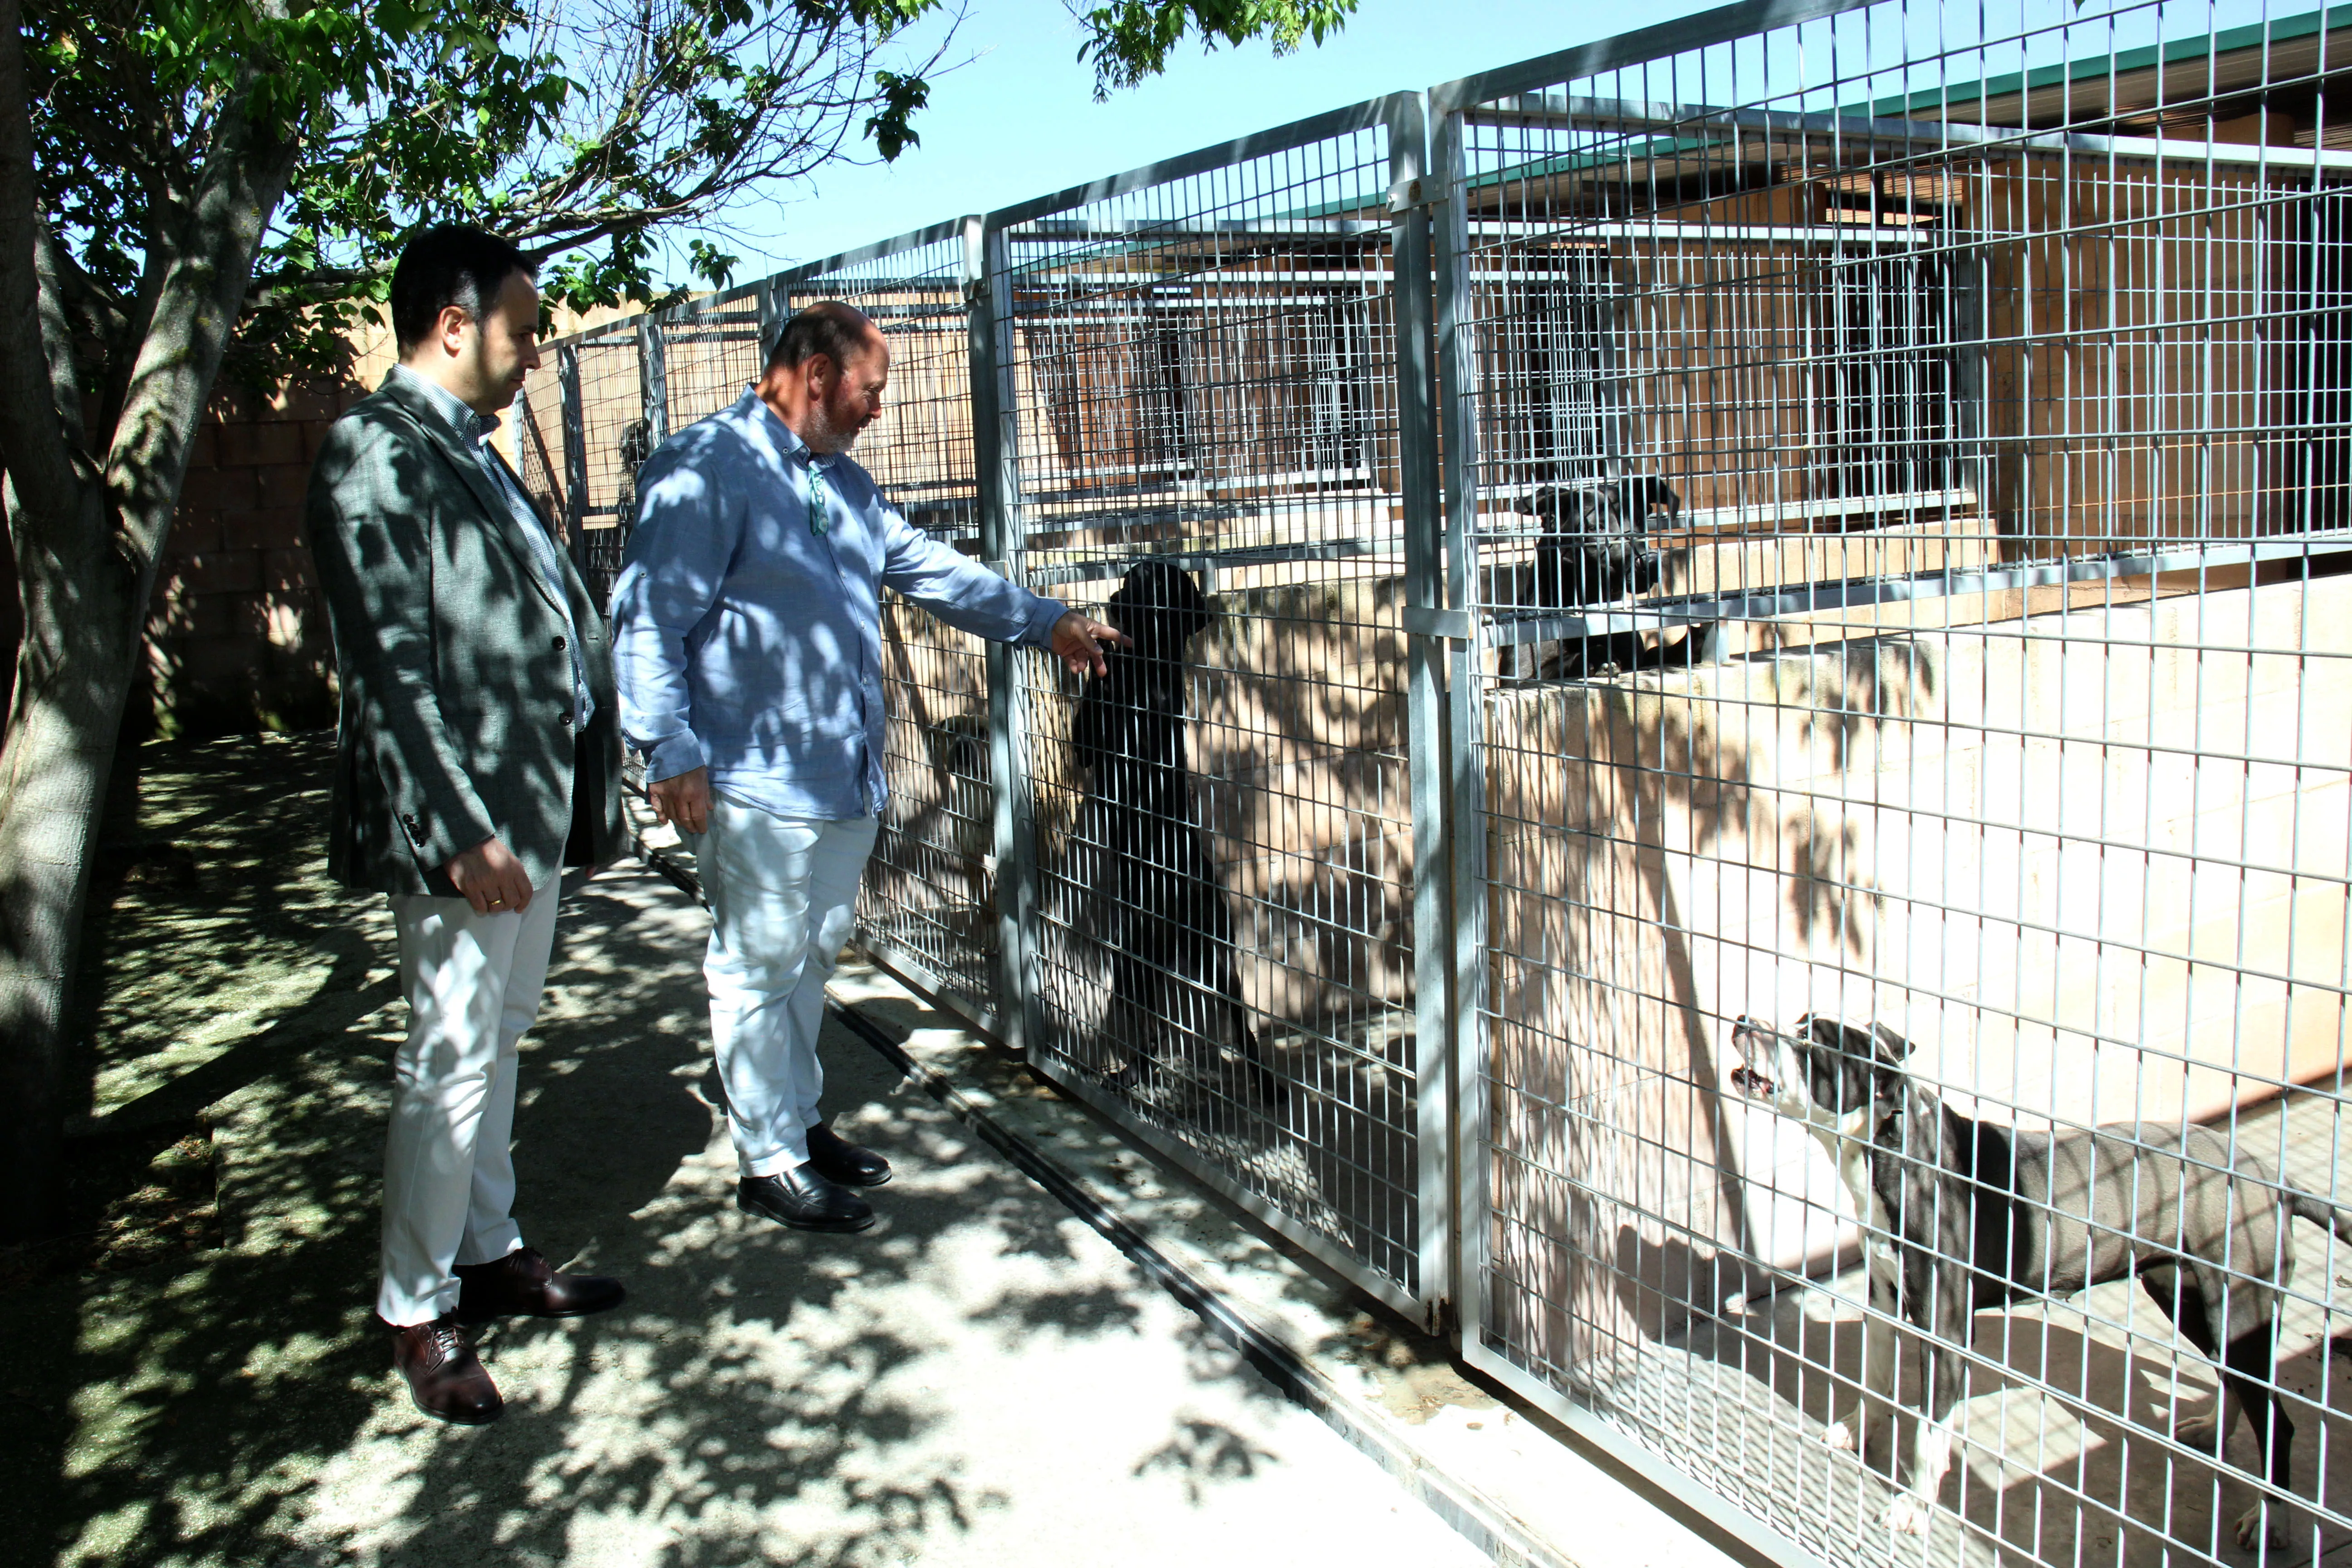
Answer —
(450, 264)
(830, 327)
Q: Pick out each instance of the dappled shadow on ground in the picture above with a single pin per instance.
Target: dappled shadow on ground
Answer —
(762, 1395)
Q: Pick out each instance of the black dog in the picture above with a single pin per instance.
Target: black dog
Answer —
(1961, 1214)
(1171, 931)
(1594, 549)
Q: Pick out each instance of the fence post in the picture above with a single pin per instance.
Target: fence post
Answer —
(653, 379)
(996, 468)
(773, 294)
(1466, 775)
(1409, 189)
(575, 455)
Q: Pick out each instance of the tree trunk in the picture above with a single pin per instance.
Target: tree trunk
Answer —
(86, 542)
(82, 645)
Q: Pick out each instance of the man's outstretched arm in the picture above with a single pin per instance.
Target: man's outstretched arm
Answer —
(969, 597)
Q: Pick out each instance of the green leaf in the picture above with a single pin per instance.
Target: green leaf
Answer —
(1130, 41)
(901, 96)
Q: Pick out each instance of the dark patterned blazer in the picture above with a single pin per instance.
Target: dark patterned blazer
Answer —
(457, 699)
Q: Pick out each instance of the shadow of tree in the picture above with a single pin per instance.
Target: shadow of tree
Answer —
(1201, 1451)
(764, 1394)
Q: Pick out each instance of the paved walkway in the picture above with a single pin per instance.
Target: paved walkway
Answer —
(981, 1379)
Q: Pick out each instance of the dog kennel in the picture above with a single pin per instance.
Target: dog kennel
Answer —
(1987, 376)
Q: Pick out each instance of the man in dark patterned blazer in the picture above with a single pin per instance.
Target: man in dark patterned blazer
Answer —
(478, 756)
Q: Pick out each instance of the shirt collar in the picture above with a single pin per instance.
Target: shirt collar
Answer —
(466, 424)
(794, 446)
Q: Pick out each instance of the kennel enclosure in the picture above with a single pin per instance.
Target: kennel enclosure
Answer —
(1992, 367)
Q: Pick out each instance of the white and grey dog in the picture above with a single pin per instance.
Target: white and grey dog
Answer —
(1959, 1214)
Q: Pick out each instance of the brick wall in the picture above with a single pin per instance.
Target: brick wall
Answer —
(237, 637)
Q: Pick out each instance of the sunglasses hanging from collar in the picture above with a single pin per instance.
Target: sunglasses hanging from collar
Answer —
(819, 524)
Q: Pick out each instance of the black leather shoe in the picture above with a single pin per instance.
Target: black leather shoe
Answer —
(838, 1160)
(803, 1199)
(521, 1284)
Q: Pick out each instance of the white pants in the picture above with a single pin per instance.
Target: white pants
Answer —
(783, 900)
(473, 985)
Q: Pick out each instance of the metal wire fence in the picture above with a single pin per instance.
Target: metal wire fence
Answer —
(1204, 373)
(1736, 762)
(1962, 393)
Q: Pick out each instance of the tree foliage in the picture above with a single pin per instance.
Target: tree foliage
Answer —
(1129, 41)
(580, 128)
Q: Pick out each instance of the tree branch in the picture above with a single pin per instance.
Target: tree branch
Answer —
(89, 303)
(196, 308)
(40, 395)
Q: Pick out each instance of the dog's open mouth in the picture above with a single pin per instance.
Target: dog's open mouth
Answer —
(1749, 1081)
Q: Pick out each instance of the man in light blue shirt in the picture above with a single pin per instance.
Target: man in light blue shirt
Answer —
(747, 639)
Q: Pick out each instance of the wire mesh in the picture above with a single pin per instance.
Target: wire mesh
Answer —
(616, 433)
(1203, 373)
(712, 349)
(1901, 496)
(538, 430)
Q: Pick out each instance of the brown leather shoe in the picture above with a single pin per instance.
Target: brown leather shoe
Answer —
(444, 1376)
(521, 1284)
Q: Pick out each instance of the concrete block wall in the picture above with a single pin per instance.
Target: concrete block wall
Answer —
(237, 637)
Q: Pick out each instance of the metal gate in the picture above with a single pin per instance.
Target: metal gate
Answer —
(1886, 582)
(1979, 378)
(1203, 443)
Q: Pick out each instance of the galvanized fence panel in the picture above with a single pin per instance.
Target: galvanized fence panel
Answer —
(618, 416)
(710, 350)
(1202, 414)
(1980, 378)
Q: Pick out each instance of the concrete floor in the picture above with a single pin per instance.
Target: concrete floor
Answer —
(981, 1379)
(977, 1381)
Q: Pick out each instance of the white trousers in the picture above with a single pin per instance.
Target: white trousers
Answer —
(473, 984)
(783, 900)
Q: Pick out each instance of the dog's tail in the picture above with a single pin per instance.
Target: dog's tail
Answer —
(2320, 1212)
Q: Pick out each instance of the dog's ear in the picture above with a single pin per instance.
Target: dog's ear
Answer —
(1892, 1047)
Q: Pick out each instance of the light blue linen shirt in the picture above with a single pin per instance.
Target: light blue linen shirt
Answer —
(473, 432)
(748, 641)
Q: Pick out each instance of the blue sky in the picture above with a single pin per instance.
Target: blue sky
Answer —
(1020, 119)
